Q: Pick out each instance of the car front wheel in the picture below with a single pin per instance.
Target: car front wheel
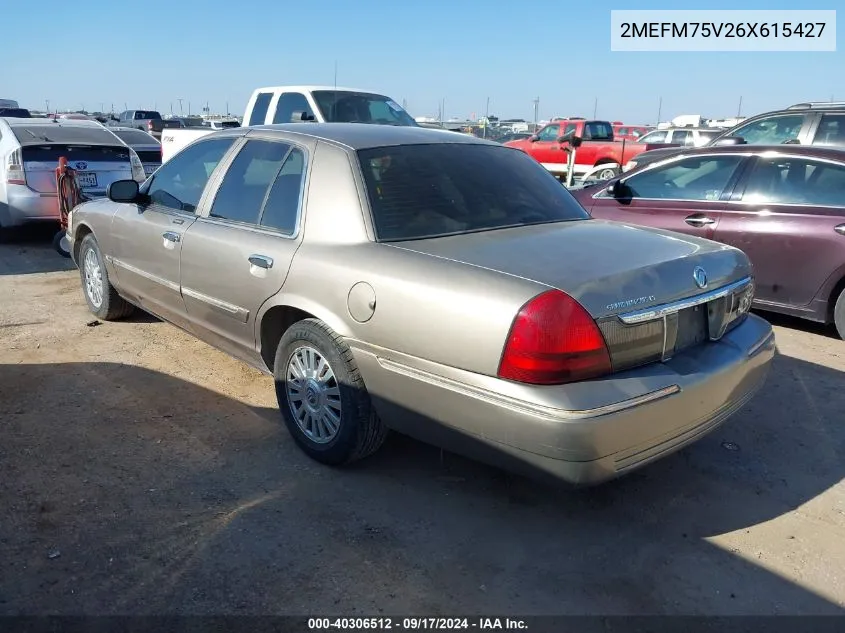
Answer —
(322, 397)
(101, 297)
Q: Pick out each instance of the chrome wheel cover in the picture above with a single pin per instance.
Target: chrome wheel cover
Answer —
(93, 278)
(313, 395)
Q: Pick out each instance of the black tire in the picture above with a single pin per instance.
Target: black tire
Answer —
(839, 314)
(112, 306)
(60, 244)
(359, 432)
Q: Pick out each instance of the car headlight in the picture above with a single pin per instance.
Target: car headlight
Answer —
(138, 174)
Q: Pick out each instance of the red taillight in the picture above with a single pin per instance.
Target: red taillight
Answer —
(554, 340)
(15, 174)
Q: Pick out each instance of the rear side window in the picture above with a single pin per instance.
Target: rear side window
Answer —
(598, 131)
(831, 131)
(259, 108)
(281, 210)
(243, 190)
(786, 180)
(291, 108)
(422, 191)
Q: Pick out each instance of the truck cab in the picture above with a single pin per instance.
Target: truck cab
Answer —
(303, 104)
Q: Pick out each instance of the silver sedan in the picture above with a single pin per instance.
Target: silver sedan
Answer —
(436, 284)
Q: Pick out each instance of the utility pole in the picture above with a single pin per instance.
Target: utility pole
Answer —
(486, 118)
(181, 111)
(595, 107)
(404, 104)
(189, 108)
(47, 101)
(443, 109)
(739, 108)
(659, 109)
(536, 112)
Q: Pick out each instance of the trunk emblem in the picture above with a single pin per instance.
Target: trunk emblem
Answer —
(82, 166)
(700, 277)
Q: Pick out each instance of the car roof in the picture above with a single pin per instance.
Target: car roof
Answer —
(813, 151)
(310, 88)
(357, 136)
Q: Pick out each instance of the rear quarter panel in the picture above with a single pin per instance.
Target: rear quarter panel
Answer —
(95, 217)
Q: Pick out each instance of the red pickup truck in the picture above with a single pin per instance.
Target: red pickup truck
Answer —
(599, 155)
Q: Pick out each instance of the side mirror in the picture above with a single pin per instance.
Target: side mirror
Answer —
(123, 191)
(617, 189)
(730, 140)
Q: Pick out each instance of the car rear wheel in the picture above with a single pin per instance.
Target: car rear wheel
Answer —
(839, 314)
(607, 173)
(322, 397)
(101, 297)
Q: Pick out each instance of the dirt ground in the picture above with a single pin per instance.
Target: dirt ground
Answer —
(143, 472)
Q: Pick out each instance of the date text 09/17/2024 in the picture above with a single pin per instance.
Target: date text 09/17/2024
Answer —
(417, 624)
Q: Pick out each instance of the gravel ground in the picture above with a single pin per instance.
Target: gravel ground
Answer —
(143, 472)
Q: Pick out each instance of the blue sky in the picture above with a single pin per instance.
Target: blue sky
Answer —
(462, 51)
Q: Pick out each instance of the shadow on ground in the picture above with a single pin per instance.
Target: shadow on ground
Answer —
(124, 490)
(28, 249)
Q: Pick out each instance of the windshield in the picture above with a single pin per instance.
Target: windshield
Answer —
(424, 191)
(360, 107)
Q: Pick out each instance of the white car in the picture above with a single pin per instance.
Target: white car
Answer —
(29, 154)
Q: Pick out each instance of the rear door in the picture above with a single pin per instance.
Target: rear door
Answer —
(783, 217)
(686, 195)
(237, 254)
(148, 237)
(97, 166)
(830, 130)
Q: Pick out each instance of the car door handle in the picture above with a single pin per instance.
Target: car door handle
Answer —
(697, 220)
(262, 261)
(171, 236)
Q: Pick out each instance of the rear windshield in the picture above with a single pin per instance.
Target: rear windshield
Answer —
(147, 114)
(229, 124)
(18, 113)
(136, 137)
(360, 107)
(423, 191)
(74, 153)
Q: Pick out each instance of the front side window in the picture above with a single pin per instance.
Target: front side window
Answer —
(291, 108)
(831, 131)
(259, 108)
(658, 136)
(693, 178)
(786, 180)
(360, 107)
(432, 190)
(549, 133)
(244, 187)
(772, 130)
(179, 183)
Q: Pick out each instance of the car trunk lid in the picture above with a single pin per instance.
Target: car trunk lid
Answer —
(625, 276)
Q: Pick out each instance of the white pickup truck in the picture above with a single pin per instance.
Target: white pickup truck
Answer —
(296, 104)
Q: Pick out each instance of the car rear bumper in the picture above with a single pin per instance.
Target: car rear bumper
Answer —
(665, 406)
(30, 206)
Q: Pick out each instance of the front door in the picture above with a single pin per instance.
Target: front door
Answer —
(686, 195)
(148, 237)
(237, 255)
